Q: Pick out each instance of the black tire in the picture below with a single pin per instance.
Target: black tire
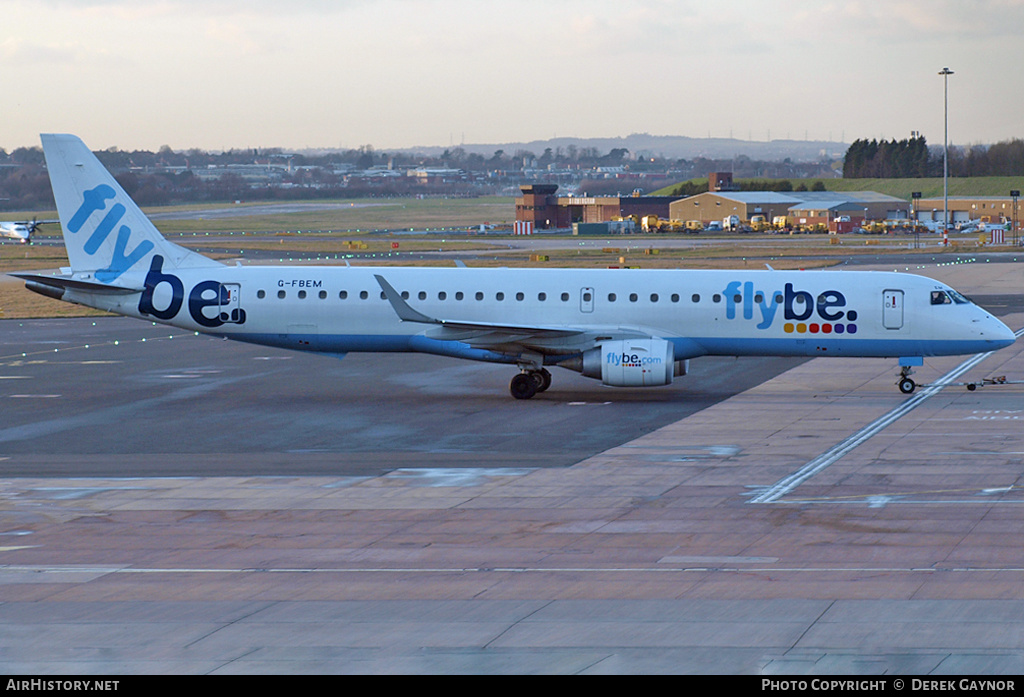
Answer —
(907, 385)
(523, 386)
(543, 378)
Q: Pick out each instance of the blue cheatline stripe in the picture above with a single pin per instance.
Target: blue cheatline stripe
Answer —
(785, 485)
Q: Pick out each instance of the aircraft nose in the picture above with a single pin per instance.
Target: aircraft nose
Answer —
(998, 333)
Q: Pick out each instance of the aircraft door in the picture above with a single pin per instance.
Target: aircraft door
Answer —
(892, 309)
(586, 299)
(231, 303)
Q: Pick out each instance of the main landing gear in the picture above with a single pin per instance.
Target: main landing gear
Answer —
(529, 382)
(905, 383)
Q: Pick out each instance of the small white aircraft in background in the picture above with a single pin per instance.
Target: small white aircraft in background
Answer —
(632, 328)
(23, 230)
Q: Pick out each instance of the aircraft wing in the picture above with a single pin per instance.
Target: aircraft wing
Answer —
(510, 337)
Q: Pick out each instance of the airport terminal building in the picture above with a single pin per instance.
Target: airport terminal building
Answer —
(802, 208)
(541, 206)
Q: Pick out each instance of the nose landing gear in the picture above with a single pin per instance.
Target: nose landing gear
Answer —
(906, 384)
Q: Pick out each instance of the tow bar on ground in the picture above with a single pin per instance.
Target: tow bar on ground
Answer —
(1000, 380)
(984, 382)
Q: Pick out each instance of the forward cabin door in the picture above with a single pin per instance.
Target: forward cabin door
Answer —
(892, 309)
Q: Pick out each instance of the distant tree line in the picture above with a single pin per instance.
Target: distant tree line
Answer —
(1004, 159)
(895, 159)
(912, 158)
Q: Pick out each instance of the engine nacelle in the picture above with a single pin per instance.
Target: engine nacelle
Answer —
(637, 363)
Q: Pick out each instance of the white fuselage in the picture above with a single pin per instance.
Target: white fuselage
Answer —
(626, 327)
(783, 313)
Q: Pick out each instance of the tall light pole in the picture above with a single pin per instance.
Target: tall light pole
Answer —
(945, 73)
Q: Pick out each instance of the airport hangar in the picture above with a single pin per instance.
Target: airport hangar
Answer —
(962, 209)
(540, 205)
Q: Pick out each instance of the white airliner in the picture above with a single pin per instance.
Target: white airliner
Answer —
(21, 231)
(624, 327)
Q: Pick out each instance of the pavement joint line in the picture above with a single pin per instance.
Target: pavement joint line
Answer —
(773, 493)
(466, 570)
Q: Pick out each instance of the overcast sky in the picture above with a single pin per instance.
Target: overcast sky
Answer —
(400, 73)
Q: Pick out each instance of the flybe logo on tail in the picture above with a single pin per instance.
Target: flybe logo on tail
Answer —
(121, 260)
(803, 313)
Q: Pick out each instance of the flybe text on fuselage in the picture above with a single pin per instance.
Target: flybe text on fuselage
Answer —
(801, 311)
(205, 294)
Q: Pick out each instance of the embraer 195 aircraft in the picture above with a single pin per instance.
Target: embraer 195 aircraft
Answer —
(627, 328)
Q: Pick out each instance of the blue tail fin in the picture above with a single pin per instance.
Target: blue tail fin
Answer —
(105, 233)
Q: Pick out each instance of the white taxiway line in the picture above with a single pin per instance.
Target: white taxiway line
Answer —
(773, 493)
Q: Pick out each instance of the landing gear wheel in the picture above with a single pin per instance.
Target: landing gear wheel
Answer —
(523, 386)
(543, 378)
(907, 385)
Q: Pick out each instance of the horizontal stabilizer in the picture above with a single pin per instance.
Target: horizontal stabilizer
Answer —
(69, 283)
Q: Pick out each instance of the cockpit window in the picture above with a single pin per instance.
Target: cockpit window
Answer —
(947, 297)
(957, 298)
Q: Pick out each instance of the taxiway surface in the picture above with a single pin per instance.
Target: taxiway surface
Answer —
(119, 397)
(816, 522)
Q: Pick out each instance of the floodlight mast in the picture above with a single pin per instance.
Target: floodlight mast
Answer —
(945, 73)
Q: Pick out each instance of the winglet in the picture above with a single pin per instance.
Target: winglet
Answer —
(401, 308)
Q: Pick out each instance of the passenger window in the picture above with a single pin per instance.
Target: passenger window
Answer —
(716, 298)
(422, 295)
(323, 294)
(363, 295)
(542, 296)
(519, 296)
(737, 298)
(343, 294)
(675, 297)
(261, 294)
(405, 295)
(442, 295)
(695, 297)
(499, 296)
(458, 295)
(302, 295)
(479, 295)
(586, 297)
(611, 297)
(281, 294)
(633, 297)
(565, 297)
(654, 297)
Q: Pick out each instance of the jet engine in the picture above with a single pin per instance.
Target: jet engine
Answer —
(630, 363)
